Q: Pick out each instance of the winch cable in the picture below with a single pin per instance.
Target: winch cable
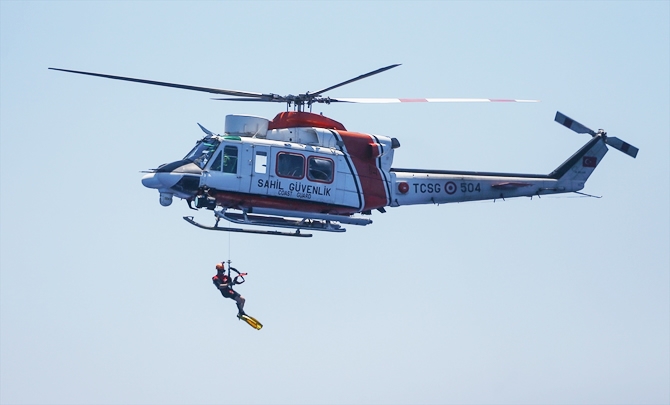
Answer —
(229, 248)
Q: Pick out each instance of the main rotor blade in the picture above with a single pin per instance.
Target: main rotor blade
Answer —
(263, 98)
(374, 72)
(178, 86)
(424, 100)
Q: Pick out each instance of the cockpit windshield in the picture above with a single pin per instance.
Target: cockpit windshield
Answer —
(203, 151)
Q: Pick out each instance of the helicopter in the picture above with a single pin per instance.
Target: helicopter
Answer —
(306, 172)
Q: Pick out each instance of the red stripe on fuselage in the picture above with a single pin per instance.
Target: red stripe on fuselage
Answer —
(359, 150)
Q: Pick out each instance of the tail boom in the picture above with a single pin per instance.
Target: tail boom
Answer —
(413, 186)
(440, 187)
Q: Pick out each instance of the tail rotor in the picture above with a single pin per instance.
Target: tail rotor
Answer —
(612, 141)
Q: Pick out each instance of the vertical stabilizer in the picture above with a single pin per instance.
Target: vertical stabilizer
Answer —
(574, 172)
(579, 166)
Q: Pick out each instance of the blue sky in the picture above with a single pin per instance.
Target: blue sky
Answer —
(106, 296)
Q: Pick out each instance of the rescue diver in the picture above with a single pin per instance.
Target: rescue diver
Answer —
(225, 284)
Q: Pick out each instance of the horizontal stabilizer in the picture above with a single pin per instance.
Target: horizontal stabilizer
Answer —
(510, 185)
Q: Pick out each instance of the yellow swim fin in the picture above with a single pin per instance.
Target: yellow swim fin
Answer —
(253, 322)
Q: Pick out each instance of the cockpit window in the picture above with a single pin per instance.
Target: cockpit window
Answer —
(227, 164)
(230, 159)
(216, 164)
(203, 151)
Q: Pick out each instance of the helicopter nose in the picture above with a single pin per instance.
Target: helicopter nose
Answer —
(160, 180)
(182, 175)
(179, 179)
(151, 181)
(178, 183)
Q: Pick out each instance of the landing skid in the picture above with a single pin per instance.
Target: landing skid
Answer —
(279, 222)
(216, 227)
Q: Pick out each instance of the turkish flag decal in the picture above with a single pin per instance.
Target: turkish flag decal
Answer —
(589, 161)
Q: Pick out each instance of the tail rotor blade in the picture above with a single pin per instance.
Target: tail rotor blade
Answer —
(624, 147)
(573, 125)
(612, 141)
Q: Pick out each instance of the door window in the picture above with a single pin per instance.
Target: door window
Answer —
(261, 162)
(290, 165)
(320, 169)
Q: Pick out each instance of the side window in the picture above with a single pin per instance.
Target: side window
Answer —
(230, 159)
(320, 169)
(290, 165)
(261, 162)
(216, 164)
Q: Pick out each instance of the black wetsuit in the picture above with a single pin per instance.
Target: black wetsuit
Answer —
(227, 283)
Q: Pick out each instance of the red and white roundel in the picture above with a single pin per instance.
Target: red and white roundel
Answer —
(450, 187)
(403, 187)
